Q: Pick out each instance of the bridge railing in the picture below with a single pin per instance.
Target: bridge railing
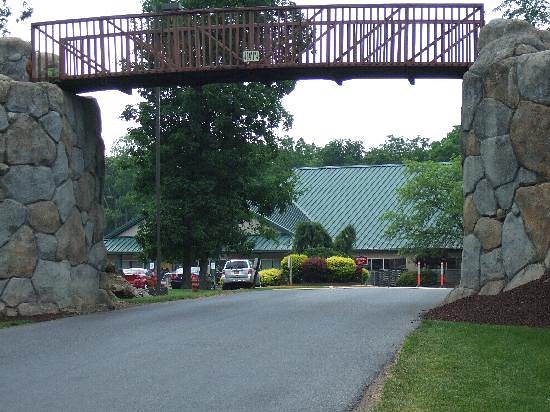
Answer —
(251, 38)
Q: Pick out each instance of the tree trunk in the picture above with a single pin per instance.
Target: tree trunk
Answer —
(186, 277)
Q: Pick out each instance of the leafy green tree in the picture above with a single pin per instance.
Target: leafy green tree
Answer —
(120, 199)
(297, 153)
(220, 162)
(345, 240)
(447, 148)
(7, 7)
(322, 252)
(428, 216)
(536, 12)
(310, 235)
(341, 152)
(397, 150)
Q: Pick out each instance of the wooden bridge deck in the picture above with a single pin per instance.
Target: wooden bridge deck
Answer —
(195, 47)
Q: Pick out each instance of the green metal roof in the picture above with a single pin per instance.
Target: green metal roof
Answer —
(123, 228)
(356, 195)
(122, 245)
(336, 196)
(289, 218)
(282, 244)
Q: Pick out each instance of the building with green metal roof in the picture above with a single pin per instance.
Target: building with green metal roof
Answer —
(123, 250)
(334, 196)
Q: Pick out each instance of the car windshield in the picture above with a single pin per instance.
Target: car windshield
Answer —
(237, 264)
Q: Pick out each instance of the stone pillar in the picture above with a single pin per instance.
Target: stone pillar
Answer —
(506, 160)
(51, 183)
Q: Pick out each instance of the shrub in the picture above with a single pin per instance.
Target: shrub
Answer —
(408, 278)
(323, 252)
(310, 234)
(344, 241)
(297, 261)
(364, 276)
(314, 270)
(341, 269)
(271, 277)
(428, 277)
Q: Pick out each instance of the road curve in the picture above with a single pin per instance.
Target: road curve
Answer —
(280, 350)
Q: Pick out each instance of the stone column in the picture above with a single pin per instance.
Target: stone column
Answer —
(51, 183)
(506, 160)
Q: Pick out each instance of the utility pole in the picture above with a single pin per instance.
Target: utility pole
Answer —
(157, 172)
(157, 190)
(160, 7)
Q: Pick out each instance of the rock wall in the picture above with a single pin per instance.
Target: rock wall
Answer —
(51, 182)
(506, 160)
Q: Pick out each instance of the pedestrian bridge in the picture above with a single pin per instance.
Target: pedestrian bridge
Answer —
(196, 47)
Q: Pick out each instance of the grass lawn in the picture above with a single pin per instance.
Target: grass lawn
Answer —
(8, 323)
(446, 366)
(177, 294)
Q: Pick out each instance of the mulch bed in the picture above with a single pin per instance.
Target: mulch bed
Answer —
(527, 305)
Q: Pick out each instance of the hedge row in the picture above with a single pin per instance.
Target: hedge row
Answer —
(315, 269)
(271, 277)
(409, 278)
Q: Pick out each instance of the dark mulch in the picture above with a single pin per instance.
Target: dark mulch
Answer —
(527, 305)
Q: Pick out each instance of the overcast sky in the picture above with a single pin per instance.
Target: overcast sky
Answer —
(366, 110)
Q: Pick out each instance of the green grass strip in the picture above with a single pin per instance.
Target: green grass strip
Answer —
(10, 323)
(177, 294)
(446, 366)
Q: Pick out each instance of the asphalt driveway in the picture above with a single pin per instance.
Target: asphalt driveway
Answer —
(281, 350)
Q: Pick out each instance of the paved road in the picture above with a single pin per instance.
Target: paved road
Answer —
(289, 350)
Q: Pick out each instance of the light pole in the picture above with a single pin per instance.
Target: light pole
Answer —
(164, 7)
(157, 190)
(157, 175)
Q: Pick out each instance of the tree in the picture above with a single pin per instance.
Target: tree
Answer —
(397, 150)
(428, 216)
(345, 240)
(341, 152)
(220, 162)
(297, 153)
(536, 12)
(120, 199)
(447, 148)
(310, 235)
(6, 12)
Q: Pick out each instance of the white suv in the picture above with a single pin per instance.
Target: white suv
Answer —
(239, 271)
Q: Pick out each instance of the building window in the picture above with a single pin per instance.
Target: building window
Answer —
(376, 264)
(395, 263)
(266, 263)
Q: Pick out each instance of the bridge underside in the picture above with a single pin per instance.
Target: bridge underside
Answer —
(339, 74)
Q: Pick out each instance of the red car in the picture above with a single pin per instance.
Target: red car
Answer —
(139, 278)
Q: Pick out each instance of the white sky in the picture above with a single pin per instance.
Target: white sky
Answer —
(366, 110)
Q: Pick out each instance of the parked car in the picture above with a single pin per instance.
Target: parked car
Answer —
(140, 278)
(239, 272)
(176, 279)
